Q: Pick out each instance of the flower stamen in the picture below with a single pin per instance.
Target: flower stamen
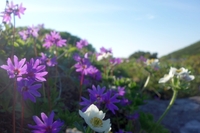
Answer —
(96, 122)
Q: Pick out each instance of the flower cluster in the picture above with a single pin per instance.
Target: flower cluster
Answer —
(27, 74)
(182, 74)
(54, 38)
(102, 98)
(10, 9)
(85, 67)
(30, 32)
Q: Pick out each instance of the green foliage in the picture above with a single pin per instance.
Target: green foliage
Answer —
(70, 118)
(193, 49)
(147, 55)
(149, 126)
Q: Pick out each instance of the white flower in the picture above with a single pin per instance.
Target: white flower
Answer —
(167, 77)
(103, 56)
(108, 130)
(154, 63)
(94, 118)
(183, 74)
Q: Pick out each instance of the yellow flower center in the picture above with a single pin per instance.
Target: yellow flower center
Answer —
(96, 122)
(179, 70)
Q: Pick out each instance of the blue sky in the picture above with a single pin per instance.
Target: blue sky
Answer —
(126, 26)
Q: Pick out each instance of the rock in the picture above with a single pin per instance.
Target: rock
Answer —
(180, 117)
(191, 127)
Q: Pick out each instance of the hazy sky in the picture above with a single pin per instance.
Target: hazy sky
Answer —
(126, 26)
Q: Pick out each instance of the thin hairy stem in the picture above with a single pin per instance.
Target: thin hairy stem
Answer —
(22, 115)
(14, 100)
(81, 83)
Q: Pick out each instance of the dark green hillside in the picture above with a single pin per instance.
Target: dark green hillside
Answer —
(193, 49)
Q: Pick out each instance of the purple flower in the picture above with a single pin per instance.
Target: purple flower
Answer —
(97, 93)
(86, 102)
(19, 10)
(142, 59)
(46, 125)
(121, 91)
(122, 131)
(103, 50)
(116, 61)
(28, 89)
(133, 116)
(109, 101)
(48, 61)
(33, 31)
(103, 54)
(12, 8)
(24, 34)
(54, 38)
(81, 44)
(124, 101)
(6, 17)
(94, 73)
(35, 71)
(16, 70)
(83, 64)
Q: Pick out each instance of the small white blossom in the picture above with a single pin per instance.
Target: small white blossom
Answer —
(94, 118)
(183, 74)
(103, 56)
(154, 63)
(167, 77)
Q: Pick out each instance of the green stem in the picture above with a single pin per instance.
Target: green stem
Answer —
(13, 109)
(146, 82)
(81, 83)
(175, 92)
(35, 48)
(22, 115)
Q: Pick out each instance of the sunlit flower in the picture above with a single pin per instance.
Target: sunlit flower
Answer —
(81, 44)
(20, 10)
(24, 34)
(35, 71)
(33, 31)
(54, 38)
(17, 69)
(94, 118)
(16, 9)
(167, 77)
(83, 64)
(46, 125)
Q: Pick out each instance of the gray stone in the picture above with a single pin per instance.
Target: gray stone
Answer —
(184, 112)
(191, 127)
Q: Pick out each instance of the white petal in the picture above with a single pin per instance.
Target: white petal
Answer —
(165, 79)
